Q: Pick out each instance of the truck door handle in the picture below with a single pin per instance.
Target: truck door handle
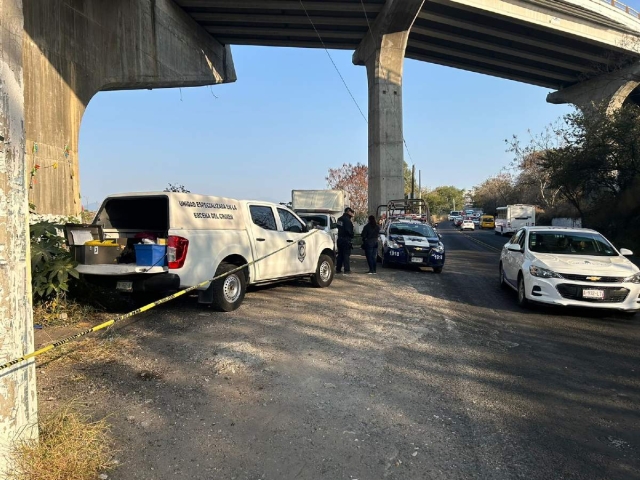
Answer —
(289, 241)
(260, 239)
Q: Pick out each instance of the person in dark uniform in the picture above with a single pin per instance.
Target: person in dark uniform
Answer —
(370, 234)
(345, 236)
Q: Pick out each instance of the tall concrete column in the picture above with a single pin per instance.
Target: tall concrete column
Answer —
(609, 90)
(72, 50)
(18, 403)
(382, 52)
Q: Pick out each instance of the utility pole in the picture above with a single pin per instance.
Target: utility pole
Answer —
(18, 403)
(413, 182)
(420, 188)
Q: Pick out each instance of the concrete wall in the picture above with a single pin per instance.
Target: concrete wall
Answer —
(75, 48)
(18, 402)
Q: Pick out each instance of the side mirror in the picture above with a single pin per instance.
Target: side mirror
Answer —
(435, 225)
(626, 252)
(305, 229)
(514, 247)
(333, 225)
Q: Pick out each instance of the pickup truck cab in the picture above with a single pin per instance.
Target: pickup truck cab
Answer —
(322, 221)
(207, 236)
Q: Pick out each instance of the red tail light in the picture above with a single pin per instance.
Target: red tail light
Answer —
(176, 251)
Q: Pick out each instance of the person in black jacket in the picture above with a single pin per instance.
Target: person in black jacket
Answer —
(370, 234)
(345, 236)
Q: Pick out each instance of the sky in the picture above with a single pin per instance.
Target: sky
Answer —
(288, 119)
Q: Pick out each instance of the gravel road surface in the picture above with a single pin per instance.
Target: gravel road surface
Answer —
(403, 375)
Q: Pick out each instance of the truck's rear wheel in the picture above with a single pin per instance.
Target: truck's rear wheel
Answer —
(324, 272)
(228, 292)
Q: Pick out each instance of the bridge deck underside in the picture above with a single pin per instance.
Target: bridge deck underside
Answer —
(444, 33)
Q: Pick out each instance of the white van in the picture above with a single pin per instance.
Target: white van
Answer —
(511, 218)
(206, 236)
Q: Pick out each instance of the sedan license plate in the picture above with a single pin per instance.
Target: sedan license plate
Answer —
(416, 259)
(124, 286)
(593, 293)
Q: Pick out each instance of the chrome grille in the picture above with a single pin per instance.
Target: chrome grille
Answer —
(589, 278)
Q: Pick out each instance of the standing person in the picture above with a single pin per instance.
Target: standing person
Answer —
(345, 236)
(370, 234)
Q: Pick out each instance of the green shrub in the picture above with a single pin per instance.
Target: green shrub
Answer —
(52, 266)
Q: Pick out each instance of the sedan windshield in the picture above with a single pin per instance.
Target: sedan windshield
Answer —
(570, 243)
(411, 229)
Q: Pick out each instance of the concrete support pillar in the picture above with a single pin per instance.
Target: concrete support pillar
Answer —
(72, 50)
(610, 90)
(382, 52)
(18, 403)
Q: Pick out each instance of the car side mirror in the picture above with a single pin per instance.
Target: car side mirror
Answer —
(435, 225)
(333, 225)
(514, 247)
(305, 229)
(626, 252)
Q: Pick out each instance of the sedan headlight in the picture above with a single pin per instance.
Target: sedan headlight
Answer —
(633, 278)
(439, 248)
(393, 244)
(543, 272)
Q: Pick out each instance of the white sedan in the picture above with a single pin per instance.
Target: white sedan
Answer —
(467, 225)
(570, 267)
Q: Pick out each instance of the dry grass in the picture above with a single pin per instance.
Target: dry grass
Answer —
(62, 312)
(71, 447)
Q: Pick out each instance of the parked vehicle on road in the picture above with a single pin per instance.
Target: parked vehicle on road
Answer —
(570, 267)
(487, 221)
(406, 242)
(178, 240)
(512, 217)
(320, 208)
(453, 214)
(467, 224)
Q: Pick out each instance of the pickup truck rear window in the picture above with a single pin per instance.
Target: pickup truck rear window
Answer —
(263, 217)
(135, 213)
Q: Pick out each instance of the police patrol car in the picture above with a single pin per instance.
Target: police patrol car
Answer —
(411, 242)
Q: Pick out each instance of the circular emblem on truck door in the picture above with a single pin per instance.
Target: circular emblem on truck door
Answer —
(302, 250)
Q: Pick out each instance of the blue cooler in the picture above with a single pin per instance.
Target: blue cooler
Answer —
(150, 255)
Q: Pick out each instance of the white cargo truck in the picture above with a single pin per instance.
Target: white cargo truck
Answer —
(197, 237)
(512, 217)
(320, 208)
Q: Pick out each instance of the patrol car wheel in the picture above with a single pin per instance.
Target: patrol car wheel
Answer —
(228, 292)
(437, 269)
(324, 272)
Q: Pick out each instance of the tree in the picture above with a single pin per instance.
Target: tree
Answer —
(495, 192)
(533, 181)
(591, 161)
(353, 179)
(442, 199)
(176, 188)
(598, 169)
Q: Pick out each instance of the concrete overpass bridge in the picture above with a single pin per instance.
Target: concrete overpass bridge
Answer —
(56, 54)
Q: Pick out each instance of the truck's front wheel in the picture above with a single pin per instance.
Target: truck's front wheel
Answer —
(324, 272)
(228, 292)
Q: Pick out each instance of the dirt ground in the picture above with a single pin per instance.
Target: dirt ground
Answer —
(391, 376)
(289, 386)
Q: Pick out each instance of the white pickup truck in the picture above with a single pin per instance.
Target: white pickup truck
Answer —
(206, 236)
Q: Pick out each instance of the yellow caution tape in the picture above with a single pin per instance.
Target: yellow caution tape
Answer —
(142, 309)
